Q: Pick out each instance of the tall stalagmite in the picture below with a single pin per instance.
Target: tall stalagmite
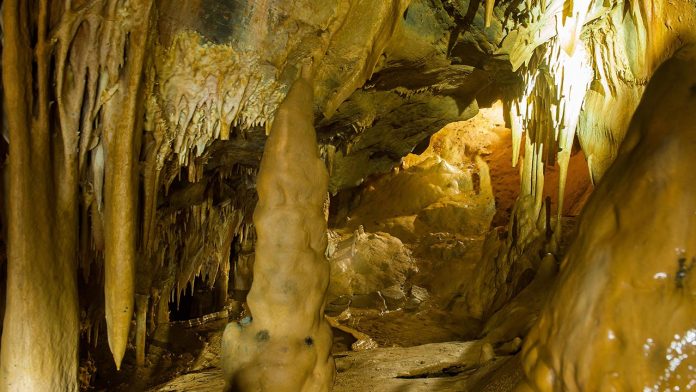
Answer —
(285, 345)
(622, 315)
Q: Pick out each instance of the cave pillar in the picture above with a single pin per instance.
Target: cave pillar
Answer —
(41, 324)
(141, 308)
(285, 344)
(222, 284)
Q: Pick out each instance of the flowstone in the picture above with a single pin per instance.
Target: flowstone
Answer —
(621, 316)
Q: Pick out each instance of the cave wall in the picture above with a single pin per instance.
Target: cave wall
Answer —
(620, 315)
(578, 82)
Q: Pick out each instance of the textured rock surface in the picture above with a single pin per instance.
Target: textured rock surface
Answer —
(42, 303)
(452, 366)
(135, 130)
(161, 109)
(365, 263)
(49, 145)
(432, 187)
(285, 343)
(431, 367)
(632, 327)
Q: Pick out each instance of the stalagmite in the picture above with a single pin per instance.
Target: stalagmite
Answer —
(621, 317)
(285, 344)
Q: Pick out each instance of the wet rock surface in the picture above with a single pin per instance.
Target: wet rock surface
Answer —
(632, 329)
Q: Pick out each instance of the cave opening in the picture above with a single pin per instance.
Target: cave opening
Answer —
(398, 195)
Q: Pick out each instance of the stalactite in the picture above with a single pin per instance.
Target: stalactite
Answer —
(548, 111)
(543, 118)
(156, 151)
(206, 254)
(194, 240)
(490, 4)
(517, 131)
(96, 96)
(202, 91)
(120, 118)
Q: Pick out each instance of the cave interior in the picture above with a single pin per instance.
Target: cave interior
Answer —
(350, 195)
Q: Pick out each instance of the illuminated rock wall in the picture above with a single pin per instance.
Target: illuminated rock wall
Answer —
(621, 314)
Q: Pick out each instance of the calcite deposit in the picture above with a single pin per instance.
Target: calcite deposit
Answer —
(284, 344)
(169, 167)
(632, 327)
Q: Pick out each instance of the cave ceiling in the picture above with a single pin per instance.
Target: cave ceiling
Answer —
(390, 73)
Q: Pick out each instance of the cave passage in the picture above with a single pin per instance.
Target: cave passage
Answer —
(397, 195)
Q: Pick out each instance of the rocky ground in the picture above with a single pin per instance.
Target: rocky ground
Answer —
(450, 366)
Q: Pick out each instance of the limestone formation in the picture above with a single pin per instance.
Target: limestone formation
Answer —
(47, 160)
(632, 326)
(133, 136)
(284, 344)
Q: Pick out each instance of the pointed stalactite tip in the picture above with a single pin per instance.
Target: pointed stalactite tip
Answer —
(489, 12)
(118, 350)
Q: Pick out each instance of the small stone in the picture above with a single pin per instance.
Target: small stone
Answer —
(419, 293)
(394, 297)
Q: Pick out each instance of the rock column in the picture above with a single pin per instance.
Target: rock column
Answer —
(286, 343)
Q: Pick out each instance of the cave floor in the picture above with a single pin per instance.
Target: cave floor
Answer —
(424, 348)
(447, 366)
(420, 349)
